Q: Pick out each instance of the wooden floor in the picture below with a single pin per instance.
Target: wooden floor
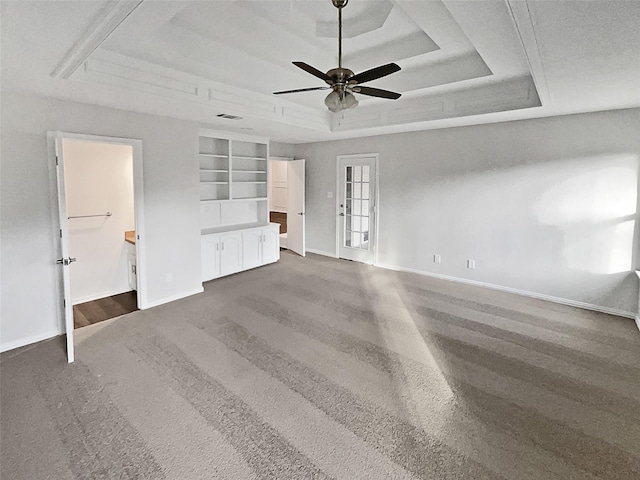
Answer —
(104, 308)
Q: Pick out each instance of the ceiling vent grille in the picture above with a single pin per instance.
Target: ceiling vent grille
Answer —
(228, 116)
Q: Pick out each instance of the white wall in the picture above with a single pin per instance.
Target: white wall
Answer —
(98, 179)
(547, 206)
(30, 301)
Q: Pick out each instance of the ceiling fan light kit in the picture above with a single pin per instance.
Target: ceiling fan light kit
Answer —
(342, 81)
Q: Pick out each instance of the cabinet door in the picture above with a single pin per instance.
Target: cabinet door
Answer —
(210, 257)
(230, 253)
(251, 249)
(270, 245)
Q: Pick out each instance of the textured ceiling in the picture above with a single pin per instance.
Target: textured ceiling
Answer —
(462, 61)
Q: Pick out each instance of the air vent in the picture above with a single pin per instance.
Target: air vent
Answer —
(228, 117)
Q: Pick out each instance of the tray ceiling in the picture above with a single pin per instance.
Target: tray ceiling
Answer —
(462, 61)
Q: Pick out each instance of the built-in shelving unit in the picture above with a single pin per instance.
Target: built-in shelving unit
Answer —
(234, 214)
(233, 180)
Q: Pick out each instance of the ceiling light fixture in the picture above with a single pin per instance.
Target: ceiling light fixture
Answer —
(342, 81)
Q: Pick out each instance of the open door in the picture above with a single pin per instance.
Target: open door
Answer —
(64, 260)
(295, 207)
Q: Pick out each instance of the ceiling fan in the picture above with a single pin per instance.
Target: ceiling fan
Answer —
(342, 81)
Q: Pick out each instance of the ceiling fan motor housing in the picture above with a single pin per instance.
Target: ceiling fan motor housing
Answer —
(339, 75)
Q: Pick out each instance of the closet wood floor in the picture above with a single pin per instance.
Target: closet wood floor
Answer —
(104, 308)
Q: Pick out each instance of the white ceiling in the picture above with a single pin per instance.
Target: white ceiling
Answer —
(463, 62)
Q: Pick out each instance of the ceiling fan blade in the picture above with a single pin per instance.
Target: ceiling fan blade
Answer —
(301, 90)
(375, 73)
(376, 92)
(314, 71)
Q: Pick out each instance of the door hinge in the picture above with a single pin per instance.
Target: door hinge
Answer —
(60, 233)
(56, 160)
(64, 303)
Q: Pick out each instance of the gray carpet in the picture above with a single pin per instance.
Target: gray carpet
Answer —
(323, 369)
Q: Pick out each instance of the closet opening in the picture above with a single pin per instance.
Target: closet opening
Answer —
(287, 201)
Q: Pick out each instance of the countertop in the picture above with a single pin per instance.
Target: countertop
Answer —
(130, 236)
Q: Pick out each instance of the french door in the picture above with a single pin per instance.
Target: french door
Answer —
(357, 190)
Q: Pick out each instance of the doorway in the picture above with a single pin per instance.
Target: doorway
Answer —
(357, 207)
(99, 182)
(287, 202)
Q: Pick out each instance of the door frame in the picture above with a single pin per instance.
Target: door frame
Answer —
(374, 244)
(138, 206)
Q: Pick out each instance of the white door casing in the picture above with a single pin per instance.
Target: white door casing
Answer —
(357, 207)
(296, 241)
(138, 199)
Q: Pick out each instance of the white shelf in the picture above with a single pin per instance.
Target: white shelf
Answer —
(239, 157)
(249, 171)
(248, 182)
(214, 155)
(243, 199)
(213, 170)
(214, 183)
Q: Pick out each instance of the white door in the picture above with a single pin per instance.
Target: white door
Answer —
(295, 207)
(251, 249)
(357, 207)
(270, 245)
(230, 253)
(64, 260)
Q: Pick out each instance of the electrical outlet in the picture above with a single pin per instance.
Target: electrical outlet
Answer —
(437, 258)
(471, 264)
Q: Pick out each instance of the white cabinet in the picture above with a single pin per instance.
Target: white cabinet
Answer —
(260, 246)
(270, 244)
(221, 255)
(252, 248)
(230, 252)
(132, 269)
(210, 257)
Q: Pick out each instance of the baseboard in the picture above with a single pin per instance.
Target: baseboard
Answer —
(98, 296)
(172, 298)
(526, 293)
(320, 252)
(5, 347)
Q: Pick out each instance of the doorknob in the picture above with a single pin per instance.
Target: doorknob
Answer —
(300, 213)
(341, 214)
(72, 259)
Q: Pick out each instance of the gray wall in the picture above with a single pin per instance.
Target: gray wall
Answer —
(277, 149)
(30, 297)
(546, 206)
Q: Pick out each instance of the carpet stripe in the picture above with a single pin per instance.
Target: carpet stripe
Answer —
(400, 367)
(101, 443)
(262, 447)
(408, 446)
